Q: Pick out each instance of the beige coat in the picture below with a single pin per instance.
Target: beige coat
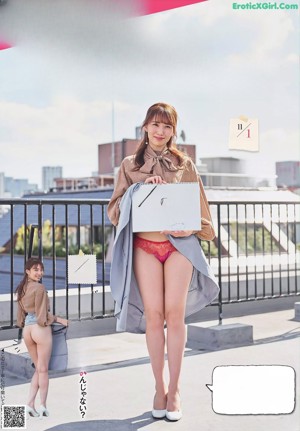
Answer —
(35, 301)
(166, 165)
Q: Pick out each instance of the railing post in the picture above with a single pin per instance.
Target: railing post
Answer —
(30, 248)
(40, 230)
(220, 304)
(66, 257)
(31, 237)
(12, 246)
(103, 262)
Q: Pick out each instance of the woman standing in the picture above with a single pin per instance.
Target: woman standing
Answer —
(33, 314)
(163, 274)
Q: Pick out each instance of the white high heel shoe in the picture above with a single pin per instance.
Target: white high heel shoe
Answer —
(31, 412)
(43, 411)
(158, 414)
(174, 416)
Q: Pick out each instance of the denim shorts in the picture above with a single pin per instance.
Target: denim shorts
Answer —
(30, 319)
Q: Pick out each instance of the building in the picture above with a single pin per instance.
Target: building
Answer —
(288, 174)
(110, 155)
(49, 173)
(218, 170)
(229, 172)
(83, 183)
(1, 185)
(15, 187)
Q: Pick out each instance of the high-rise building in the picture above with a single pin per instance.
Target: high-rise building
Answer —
(224, 172)
(2, 189)
(288, 174)
(15, 187)
(48, 175)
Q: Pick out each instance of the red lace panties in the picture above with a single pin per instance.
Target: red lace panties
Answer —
(161, 250)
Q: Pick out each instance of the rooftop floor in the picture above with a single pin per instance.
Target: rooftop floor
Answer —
(120, 384)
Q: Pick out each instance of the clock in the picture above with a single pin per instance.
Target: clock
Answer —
(243, 134)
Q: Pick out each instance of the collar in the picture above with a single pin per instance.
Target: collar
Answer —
(157, 163)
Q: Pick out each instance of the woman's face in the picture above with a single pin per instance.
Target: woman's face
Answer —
(35, 273)
(159, 134)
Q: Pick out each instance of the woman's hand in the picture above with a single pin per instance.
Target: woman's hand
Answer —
(155, 180)
(178, 233)
(62, 321)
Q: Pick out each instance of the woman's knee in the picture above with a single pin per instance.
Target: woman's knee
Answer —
(42, 368)
(174, 318)
(155, 319)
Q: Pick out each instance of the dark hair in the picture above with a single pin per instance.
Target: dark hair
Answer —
(161, 112)
(32, 261)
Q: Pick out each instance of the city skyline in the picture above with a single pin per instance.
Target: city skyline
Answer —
(61, 85)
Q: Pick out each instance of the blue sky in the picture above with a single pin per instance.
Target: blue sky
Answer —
(211, 62)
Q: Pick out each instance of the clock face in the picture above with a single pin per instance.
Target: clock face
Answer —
(243, 134)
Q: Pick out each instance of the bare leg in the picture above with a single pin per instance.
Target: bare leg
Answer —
(31, 347)
(149, 275)
(177, 276)
(34, 387)
(43, 339)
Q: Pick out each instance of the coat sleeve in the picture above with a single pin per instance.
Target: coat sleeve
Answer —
(41, 306)
(122, 184)
(20, 316)
(207, 231)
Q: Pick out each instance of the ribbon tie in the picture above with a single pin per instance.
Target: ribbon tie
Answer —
(157, 164)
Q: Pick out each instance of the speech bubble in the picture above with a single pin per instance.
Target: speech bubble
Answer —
(253, 389)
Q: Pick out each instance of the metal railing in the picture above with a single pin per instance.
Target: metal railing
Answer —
(258, 251)
(63, 227)
(254, 256)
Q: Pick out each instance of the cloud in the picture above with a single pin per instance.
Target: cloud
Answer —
(210, 62)
(292, 58)
(277, 144)
(207, 14)
(267, 44)
(65, 133)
